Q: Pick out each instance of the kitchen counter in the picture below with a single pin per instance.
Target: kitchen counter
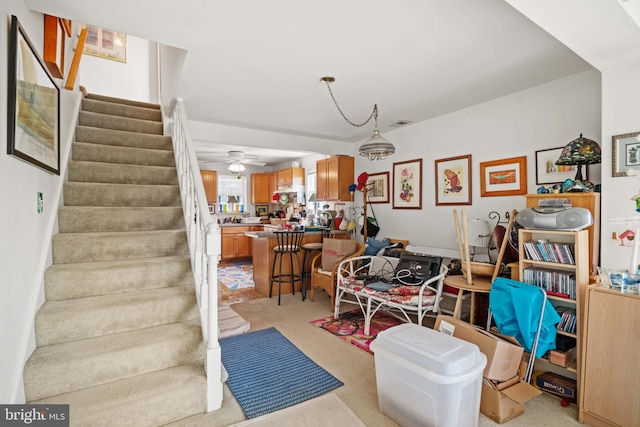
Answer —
(263, 256)
(229, 224)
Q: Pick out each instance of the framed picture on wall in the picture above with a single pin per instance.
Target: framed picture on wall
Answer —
(105, 43)
(33, 128)
(378, 187)
(262, 210)
(547, 172)
(506, 177)
(453, 181)
(626, 153)
(407, 184)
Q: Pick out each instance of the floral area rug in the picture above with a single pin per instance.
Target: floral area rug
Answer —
(238, 275)
(350, 327)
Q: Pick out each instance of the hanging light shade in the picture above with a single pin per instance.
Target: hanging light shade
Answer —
(236, 167)
(374, 148)
(580, 151)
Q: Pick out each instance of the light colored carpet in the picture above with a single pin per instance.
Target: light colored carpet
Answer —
(323, 411)
(349, 364)
(230, 323)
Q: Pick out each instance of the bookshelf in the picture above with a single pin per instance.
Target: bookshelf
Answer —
(590, 201)
(559, 262)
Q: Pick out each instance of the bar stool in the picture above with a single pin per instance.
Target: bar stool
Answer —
(289, 242)
(308, 249)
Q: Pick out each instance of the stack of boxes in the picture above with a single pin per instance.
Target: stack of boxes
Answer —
(504, 392)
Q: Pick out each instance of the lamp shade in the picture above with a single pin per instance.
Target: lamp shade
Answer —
(479, 233)
(580, 151)
(376, 147)
(232, 199)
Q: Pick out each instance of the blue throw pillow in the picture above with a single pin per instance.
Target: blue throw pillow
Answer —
(374, 246)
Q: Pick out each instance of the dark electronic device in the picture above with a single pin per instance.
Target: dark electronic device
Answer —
(415, 269)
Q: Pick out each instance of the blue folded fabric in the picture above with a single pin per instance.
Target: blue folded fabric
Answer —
(380, 286)
(374, 246)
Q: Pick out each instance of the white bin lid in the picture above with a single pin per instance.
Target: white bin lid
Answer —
(429, 349)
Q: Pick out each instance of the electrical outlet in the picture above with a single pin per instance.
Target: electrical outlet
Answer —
(40, 202)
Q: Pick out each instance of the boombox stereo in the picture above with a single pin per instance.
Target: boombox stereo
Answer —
(565, 219)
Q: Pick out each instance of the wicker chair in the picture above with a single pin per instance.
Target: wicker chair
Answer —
(326, 281)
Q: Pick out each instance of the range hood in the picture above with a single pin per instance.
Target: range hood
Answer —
(290, 189)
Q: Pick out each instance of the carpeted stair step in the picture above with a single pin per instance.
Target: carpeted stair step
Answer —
(106, 246)
(70, 320)
(87, 118)
(82, 219)
(166, 396)
(133, 195)
(122, 101)
(98, 135)
(100, 360)
(81, 171)
(91, 152)
(119, 109)
(87, 279)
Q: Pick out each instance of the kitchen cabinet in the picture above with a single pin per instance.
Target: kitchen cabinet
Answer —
(334, 175)
(290, 176)
(234, 242)
(210, 182)
(590, 201)
(261, 192)
(609, 391)
(273, 185)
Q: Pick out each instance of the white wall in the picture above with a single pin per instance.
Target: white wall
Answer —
(25, 235)
(134, 79)
(547, 116)
(620, 107)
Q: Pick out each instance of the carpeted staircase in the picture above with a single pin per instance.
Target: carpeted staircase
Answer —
(119, 336)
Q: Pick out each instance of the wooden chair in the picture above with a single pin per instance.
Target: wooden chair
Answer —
(325, 281)
(477, 276)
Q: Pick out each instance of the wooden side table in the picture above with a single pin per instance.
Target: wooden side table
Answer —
(480, 284)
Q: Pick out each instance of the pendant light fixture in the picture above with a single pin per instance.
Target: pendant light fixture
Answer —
(236, 167)
(374, 148)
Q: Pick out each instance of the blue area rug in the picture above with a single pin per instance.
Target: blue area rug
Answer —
(268, 373)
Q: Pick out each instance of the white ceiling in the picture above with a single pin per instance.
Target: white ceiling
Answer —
(257, 64)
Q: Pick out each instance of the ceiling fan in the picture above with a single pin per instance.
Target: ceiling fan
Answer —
(239, 158)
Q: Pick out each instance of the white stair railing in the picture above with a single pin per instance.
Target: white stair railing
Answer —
(204, 246)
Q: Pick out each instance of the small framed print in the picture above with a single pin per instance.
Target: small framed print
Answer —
(262, 210)
(407, 185)
(506, 177)
(626, 153)
(453, 181)
(378, 187)
(547, 172)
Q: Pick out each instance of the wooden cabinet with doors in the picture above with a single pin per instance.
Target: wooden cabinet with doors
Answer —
(590, 201)
(334, 175)
(210, 182)
(609, 391)
(234, 242)
(260, 190)
(290, 176)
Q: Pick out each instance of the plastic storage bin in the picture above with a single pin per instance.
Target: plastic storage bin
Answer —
(427, 378)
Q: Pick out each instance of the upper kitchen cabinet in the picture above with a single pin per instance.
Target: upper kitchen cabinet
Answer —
(210, 182)
(334, 176)
(290, 176)
(261, 190)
